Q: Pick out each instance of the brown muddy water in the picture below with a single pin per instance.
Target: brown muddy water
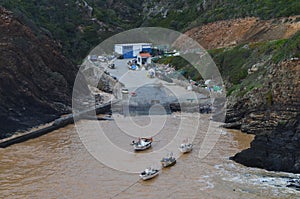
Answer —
(58, 165)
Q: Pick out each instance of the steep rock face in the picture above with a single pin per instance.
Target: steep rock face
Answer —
(272, 113)
(276, 102)
(35, 79)
(277, 151)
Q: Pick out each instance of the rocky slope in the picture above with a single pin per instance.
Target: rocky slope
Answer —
(271, 111)
(233, 32)
(275, 101)
(259, 61)
(35, 79)
(268, 94)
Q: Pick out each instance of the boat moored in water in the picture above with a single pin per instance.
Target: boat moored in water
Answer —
(142, 144)
(149, 173)
(168, 161)
(186, 147)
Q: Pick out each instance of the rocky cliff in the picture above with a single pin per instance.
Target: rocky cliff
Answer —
(259, 62)
(275, 101)
(35, 79)
(263, 90)
(272, 113)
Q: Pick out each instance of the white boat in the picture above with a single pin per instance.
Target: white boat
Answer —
(186, 147)
(149, 173)
(125, 90)
(168, 161)
(142, 144)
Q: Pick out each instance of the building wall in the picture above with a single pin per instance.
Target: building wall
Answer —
(146, 48)
(119, 49)
(132, 50)
(136, 50)
(127, 51)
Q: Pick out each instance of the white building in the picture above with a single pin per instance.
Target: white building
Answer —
(143, 59)
(132, 50)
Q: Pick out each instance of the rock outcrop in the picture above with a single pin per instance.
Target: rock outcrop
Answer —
(272, 113)
(35, 79)
(277, 151)
(275, 102)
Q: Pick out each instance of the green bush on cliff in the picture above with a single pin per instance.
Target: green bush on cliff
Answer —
(289, 48)
(231, 63)
(234, 63)
(194, 13)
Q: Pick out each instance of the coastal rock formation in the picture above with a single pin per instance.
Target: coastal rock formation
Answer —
(277, 151)
(275, 102)
(272, 113)
(270, 106)
(35, 79)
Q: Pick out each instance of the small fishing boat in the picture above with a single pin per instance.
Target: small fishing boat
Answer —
(168, 161)
(142, 144)
(149, 173)
(186, 147)
(125, 90)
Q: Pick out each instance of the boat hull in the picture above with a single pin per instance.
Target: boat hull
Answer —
(185, 150)
(141, 148)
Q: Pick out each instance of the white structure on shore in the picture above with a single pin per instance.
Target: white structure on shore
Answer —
(144, 59)
(131, 50)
